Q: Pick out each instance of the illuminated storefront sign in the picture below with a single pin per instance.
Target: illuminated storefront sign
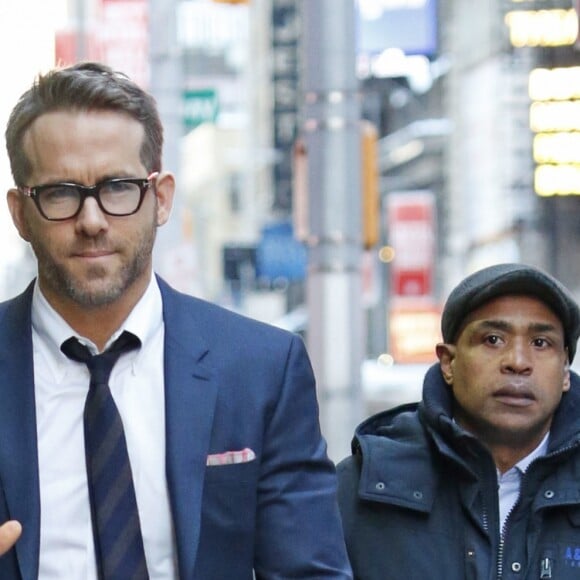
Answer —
(555, 120)
(557, 27)
(414, 327)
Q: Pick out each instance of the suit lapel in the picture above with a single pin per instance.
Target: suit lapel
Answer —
(18, 452)
(190, 396)
(190, 402)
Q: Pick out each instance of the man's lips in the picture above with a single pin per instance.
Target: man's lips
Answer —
(519, 396)
(93, 254)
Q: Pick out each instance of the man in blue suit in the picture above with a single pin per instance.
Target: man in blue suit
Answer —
(226, 463)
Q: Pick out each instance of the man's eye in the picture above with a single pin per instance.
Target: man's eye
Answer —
(492, 339)
(540, 342)
(116, 187)
(58, 194)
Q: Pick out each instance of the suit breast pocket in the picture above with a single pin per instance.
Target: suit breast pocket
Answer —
(229, 507)
(230, 495)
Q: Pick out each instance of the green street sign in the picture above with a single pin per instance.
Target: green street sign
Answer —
(199, 106)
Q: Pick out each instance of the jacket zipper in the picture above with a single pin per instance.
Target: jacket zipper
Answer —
(485, 522)
(500, 560)
(545, 569)
(500, 549)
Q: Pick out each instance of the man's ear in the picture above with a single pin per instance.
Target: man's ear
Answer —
(446, 354)
(16, 207)
(164, 190)
(566, 381)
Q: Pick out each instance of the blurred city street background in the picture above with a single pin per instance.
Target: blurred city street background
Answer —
(341, 164)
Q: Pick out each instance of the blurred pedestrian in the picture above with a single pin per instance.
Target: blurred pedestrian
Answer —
(143, 433)
(481, 478)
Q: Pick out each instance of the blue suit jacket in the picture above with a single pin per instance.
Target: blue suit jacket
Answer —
(230, 383)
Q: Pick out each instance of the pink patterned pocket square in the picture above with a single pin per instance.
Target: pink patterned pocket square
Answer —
(230, 457)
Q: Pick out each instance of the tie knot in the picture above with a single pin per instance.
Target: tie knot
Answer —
(100, 365)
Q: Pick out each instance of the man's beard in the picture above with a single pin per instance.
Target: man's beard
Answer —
(59, 280)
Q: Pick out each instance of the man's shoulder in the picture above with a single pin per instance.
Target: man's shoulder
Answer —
(211, 318)
(18, 305)
(390, 433)
(391, 457)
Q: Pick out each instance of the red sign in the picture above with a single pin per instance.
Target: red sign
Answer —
(67, 50)
(411, 231)
(118, 38)
(124, 37)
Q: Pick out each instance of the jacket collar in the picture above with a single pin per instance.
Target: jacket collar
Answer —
(394, 446)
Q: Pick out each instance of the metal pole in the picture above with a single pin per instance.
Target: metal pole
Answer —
(331, 134)
(166, 85)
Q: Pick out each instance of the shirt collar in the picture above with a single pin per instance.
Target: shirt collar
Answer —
(539, 451)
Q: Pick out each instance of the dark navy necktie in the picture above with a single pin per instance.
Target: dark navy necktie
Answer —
(116, 529)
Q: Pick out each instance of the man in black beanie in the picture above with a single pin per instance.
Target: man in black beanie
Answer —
(481, 479)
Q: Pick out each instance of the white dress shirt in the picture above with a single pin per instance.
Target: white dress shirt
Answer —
(61, 387)
(509, 483)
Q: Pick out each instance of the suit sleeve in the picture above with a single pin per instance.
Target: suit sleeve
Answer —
(299, 533)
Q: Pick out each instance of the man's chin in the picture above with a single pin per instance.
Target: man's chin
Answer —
(94, 294)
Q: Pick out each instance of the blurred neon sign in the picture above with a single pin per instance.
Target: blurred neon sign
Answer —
(557, 27)
(555, 120)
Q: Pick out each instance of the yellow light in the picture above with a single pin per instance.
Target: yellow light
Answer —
(557, 148)
(370, 185)
(555, 27)
(555, 116)
(550, 180)
(387, 254)
(556, 84)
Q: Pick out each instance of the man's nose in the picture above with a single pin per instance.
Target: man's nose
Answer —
(91, 219)
(517, 357)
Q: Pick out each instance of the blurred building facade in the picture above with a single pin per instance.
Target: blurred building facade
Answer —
(508, 200)
(471, 170)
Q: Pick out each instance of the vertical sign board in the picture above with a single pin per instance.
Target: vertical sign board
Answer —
(413, 314)
(124, 38)
(285, 83)
(411, 231)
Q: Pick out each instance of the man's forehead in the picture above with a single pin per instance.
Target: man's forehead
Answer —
(511, 309)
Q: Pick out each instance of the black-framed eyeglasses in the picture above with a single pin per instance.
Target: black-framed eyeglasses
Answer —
(116, 197)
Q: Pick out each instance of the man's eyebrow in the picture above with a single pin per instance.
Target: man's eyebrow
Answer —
(543, 327)
(493, 324)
